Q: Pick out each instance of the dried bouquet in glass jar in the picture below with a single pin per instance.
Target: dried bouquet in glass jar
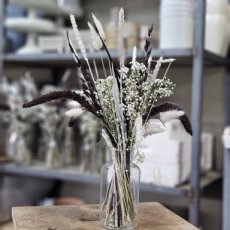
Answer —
(124, 100)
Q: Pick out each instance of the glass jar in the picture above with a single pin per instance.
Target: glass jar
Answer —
(119, 191)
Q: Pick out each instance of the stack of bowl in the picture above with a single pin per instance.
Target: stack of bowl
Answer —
(176, 23)
(217, 30)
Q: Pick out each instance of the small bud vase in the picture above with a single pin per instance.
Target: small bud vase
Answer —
(119, 191)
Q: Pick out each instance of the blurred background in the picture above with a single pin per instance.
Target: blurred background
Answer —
(44, 162)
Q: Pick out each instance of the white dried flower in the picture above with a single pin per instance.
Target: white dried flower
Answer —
(75, 54)
(168, 60)
(157, 68)
(170, 115)
(106, 138)
(121, 16)
(78, 37)
(149, 62)
(153, 126)
(73, 104)
(121, 48)
(134, 54)
(76, 112)
(124, 70)
(139, 129)
(99, 27)
(96, 41)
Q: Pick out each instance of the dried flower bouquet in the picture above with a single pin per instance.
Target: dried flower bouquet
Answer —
(124, 100)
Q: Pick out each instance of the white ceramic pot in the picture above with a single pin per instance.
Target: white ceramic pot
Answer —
(228, 11)
(177, 14)
(176, 32)
(170, 2)
(216, 7)
(217, 34)
(176, 23)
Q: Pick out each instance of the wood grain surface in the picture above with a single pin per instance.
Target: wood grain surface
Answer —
(151, 216)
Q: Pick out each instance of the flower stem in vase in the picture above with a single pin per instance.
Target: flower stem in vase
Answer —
(118, 207)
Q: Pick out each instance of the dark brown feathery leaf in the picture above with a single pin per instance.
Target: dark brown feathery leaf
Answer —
(163, 107)
(167, 106)
(103, 44)
(88, 78)
(87, 81)
(84, 85)
(62, 95)
(148, 50)
(147, 47)
(87, 93)
(89, 87)
(186, 123)
(148, 44)
(72, 49)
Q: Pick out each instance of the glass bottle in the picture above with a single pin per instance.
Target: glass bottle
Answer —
(119, 191)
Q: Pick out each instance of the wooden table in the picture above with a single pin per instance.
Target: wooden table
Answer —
(152, 216)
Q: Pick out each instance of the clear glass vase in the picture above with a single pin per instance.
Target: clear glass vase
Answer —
(119, 191)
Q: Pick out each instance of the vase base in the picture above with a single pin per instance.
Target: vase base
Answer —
(124, 227)
(111, 228)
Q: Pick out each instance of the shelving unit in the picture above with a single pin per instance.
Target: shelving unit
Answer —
(183, 57)
(72, 175)
(196, 58)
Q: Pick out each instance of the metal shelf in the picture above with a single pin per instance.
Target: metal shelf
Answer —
(53, 59)
(213, 59)
(69, 174)
(72, 175)
(184, 57)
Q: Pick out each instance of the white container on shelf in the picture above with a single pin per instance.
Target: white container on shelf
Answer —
(217, 34)
(176, 32)
(176, 24)
(168, 156)
(51, 43)
(217, 26)
(216, 7)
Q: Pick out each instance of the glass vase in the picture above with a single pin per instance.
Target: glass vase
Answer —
(119, 191)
